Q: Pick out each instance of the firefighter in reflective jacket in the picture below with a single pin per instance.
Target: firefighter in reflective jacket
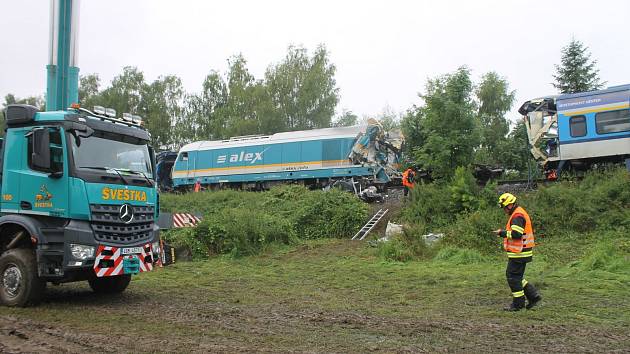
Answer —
(518, 242)
(408, 179)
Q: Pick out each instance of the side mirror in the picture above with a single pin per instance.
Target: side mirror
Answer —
(41, 148)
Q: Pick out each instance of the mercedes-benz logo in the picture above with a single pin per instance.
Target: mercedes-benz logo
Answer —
(126, 213)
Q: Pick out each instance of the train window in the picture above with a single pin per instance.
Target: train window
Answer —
(613, 121)
(578, 126)
(183, 156)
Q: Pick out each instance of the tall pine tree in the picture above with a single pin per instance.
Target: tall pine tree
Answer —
(576, 72)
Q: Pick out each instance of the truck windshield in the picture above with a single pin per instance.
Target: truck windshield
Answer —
(101, 153)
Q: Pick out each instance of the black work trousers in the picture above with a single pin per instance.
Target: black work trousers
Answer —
(515, 272)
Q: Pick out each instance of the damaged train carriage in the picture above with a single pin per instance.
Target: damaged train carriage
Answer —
(580, 129)
(316, 158)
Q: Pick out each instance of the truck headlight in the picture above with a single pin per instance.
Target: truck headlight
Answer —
(81, 251)
(156, 247)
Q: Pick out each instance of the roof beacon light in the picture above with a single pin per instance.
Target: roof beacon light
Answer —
(99, 110)
(110, 112)
(128, 117)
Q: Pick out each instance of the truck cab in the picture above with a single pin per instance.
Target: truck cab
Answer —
(79, 201)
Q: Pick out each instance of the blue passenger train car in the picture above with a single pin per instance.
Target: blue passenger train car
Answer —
(317, 157)
(579, 129)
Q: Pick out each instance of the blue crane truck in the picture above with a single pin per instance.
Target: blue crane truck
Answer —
(78, 202)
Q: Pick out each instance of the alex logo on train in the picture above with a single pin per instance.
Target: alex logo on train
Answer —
(250, 157)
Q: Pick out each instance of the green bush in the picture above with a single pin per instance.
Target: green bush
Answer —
(568, 217)
(566, 213)
(601, 201)
(240, 232)
(463, 191)
(474, 231)
(316, 214)
(488, 196)
(438, 204)
(430, 205)
(186, 238)
(334, 214)
(243, 223)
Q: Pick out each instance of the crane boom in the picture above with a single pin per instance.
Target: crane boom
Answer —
(63, 74)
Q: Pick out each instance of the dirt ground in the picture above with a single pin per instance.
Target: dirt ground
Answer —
(19, 335)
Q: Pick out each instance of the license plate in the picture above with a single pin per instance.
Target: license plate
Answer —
(132, 250)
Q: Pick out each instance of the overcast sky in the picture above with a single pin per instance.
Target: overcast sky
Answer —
(384, 50)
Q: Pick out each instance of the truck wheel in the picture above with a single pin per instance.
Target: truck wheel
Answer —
(110, 285)
(19, 283)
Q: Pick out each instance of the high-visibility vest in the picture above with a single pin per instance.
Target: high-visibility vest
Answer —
(405, 178)
(520, 247)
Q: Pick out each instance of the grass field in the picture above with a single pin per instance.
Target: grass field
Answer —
(275, 272)
(329, 296)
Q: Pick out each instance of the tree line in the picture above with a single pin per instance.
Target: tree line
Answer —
(297, 93)
(461, 123)
(458, 122)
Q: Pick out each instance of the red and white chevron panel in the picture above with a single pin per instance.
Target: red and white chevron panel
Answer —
(117, 258)
(185, 220)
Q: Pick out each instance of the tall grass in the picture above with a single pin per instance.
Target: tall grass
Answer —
(243, 223)
(569, 218)
(611, 253)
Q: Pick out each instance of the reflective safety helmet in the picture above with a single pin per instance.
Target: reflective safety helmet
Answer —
(506, 199)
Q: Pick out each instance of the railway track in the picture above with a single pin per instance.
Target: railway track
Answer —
(531, 184)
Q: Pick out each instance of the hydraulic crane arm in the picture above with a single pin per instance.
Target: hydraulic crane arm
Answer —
(63, 74)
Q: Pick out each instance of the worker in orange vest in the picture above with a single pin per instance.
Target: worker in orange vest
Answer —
(408, 179)
(197, 187)
(518, 242)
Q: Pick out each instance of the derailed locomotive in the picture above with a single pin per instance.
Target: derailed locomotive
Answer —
(579, 129)
(363, 155)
